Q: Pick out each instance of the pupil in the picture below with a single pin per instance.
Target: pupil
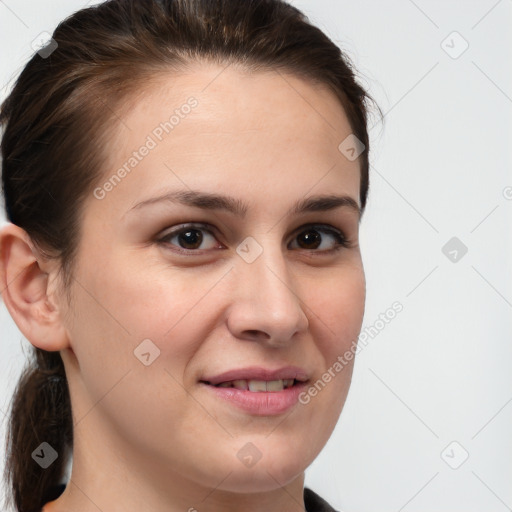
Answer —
(193, 237)
(310, 237)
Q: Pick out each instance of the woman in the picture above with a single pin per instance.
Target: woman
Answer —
(184, 181)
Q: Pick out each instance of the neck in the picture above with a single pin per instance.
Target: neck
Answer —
(113, 478)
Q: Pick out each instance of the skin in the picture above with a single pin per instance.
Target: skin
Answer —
(151, 437)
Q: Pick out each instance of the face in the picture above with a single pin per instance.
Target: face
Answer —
(183, 300)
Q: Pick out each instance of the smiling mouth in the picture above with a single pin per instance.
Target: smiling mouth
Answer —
(261, 395)
(256, 386)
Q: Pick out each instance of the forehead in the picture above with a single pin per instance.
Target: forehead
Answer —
(216, 126)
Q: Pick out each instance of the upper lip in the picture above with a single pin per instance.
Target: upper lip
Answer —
(258, 373)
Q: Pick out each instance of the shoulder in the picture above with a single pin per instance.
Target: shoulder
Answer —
(315, 503)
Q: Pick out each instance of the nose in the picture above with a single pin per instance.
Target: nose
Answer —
(266, 306)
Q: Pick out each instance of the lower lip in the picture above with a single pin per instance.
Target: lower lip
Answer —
(260, 403)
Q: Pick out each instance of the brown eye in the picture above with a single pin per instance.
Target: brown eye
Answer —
(195, 238)
(314, 237)
(310, 239)
(190, 238)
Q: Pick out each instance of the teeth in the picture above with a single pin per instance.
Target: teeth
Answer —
(258, 385)
(275, 385)
(240, 384)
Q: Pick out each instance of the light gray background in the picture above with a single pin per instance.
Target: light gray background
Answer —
(441, 370)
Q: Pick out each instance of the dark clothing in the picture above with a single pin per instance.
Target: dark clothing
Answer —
(312, 501)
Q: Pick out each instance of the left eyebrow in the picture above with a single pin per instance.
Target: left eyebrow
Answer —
(209, 201)
(324, 204)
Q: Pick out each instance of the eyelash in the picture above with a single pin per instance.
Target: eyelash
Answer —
(341, 241)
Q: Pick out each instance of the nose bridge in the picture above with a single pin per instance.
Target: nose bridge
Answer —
(267, 300)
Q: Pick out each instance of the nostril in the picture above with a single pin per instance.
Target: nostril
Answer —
(254, 333)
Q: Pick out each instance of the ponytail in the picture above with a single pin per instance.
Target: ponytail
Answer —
(40, 412)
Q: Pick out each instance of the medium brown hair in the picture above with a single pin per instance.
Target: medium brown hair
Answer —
(53, 152)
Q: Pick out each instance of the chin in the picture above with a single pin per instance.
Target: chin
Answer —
(261, 478)
(275, 469)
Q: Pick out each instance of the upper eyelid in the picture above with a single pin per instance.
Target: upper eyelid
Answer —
(212, 230)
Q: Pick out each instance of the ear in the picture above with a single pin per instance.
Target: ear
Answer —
(25, 289)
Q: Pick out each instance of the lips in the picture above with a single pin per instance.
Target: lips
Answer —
(256, 390)
(258, 379)
(258, 385)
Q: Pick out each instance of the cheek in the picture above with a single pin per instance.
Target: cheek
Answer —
(116, 309)
(114, 312)
(142, 303)
(338, 304)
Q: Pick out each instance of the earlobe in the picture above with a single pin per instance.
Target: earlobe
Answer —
(25, 291)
